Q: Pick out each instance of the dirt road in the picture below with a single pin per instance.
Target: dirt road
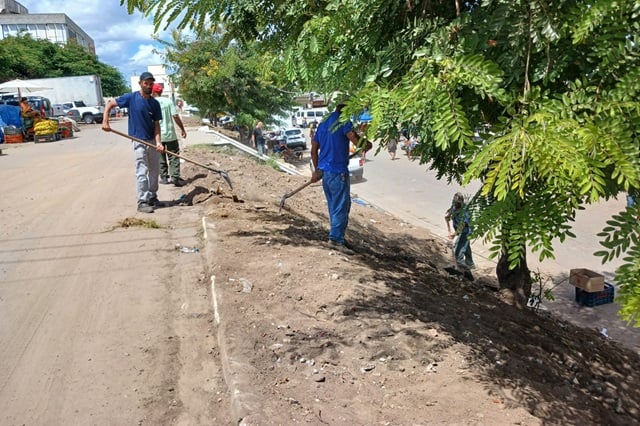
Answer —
(101, 324)
(107, 324)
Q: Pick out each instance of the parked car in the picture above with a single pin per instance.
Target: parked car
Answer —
(304, 117)
(39, 103)
(89, 114)
(58, 110)
(226, 119)
(190, 109)
(73, 114)
(356, 164)
(356, 168)
(295, 139)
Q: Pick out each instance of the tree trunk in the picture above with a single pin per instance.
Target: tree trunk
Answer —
(243, 136)
(517, 282)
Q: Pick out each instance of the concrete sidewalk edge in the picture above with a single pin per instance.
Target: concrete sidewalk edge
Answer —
(237, 371)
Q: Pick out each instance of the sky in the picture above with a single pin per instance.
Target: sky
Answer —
(122, 40)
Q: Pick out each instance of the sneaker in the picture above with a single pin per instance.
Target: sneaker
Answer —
(463, 266)
(164, 180)
(145, 208)
(177, 182)
(341, 248)
(154, 202)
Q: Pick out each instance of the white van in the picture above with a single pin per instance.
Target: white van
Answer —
(304, 117)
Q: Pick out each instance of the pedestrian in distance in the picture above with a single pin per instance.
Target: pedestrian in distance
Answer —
(632, 197)
(257, 138)
(169, 164)
(330, 159)
(458, 216)
(143, 123)
(392, 147)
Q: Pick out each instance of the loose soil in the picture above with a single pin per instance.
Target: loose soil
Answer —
(386, 335)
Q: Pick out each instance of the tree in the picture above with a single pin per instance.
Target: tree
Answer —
(557, 82)
(222, 77)
(24, 57)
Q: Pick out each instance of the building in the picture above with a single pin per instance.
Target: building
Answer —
(15, 19)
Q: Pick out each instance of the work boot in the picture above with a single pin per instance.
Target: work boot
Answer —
(154, 202)
(341, 248)
(177, 182)
(145, 207)
(164, 180)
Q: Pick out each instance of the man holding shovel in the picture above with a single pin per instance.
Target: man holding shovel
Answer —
(330, 158)
(144, 124)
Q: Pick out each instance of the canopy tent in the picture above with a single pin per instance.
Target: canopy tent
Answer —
(21, 86)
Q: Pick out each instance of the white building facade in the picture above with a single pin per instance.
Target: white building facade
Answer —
(58, 28)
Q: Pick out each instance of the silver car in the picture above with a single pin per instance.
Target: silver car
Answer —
(295, 139)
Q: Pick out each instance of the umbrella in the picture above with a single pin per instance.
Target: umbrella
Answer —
(21, 86)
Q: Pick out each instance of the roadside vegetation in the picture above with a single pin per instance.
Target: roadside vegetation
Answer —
(25, 58)
(538, 101)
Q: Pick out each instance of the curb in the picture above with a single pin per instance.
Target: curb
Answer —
(237, 371)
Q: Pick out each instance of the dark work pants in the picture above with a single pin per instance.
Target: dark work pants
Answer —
(170, 167)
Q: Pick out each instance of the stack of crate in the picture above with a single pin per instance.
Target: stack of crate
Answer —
(12, 134)
(591, 290)
(65, 129)
(45, 131)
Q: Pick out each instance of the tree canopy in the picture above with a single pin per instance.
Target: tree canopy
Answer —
(24, 57)
(553, 87)
(221, 77)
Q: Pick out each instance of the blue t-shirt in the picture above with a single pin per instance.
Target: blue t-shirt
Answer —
(143, 113)
(334, 144)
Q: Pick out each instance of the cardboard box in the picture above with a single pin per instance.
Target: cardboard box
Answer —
(586, 279)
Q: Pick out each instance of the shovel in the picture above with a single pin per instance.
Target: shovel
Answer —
(222, 173)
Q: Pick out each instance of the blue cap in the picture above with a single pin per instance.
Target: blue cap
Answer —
(146, 76)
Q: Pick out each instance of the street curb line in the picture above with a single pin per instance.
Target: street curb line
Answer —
(214, 298)
(237, 372)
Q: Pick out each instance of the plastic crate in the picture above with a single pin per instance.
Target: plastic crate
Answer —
(52, 137)
(595, 298)
(13, 138)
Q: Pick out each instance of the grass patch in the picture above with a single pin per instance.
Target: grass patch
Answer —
(131, 222)
(273, 163)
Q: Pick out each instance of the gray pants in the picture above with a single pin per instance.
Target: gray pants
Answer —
(147, 171)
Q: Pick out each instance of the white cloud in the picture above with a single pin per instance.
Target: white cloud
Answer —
(147, 55)
(122, 40)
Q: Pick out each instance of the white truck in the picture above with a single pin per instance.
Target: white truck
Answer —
(83, 92)
(88, 114)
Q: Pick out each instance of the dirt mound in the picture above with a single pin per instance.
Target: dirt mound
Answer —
(387, 336)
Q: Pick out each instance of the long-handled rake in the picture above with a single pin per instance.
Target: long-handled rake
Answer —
(222, 173)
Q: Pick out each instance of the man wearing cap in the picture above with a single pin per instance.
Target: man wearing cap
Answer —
(144, 123)
(330, 158)
(169, 168)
